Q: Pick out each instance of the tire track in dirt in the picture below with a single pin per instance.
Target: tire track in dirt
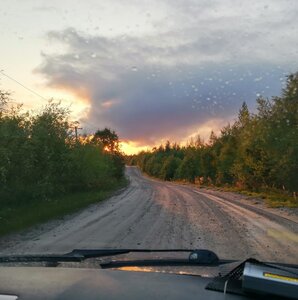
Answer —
(154, 214)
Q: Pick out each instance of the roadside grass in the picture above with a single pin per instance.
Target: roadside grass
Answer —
(21, 216)
(272, 198)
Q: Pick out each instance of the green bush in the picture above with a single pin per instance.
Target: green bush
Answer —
(40, 157)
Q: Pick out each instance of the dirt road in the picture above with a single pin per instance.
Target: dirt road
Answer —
(154, 214)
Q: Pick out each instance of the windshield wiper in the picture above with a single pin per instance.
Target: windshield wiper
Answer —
(110, 252)
(201, 256)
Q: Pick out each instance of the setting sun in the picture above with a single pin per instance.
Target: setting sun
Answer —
(129, 147)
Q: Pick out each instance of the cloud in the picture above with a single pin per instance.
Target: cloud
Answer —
(205, 61)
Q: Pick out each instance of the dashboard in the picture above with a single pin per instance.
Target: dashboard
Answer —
(76, 283)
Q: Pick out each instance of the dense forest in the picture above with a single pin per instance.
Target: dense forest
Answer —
(41, 157)
(259, 150)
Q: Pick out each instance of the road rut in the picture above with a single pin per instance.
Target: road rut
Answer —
(155, 214)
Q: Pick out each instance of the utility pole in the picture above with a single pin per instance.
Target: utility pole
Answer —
(76, 128)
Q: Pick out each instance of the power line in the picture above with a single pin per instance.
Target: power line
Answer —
(28, 89)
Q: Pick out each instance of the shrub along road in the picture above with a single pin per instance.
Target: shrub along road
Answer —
(155, 214)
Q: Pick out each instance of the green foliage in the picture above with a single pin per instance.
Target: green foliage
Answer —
(187, 167)
(40, 157)
(169, 168)
(258, 151)
(108, 138)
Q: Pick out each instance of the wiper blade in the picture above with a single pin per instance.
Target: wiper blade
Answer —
(197, 257)
(39, 258)
(78, 255)
(110, 252)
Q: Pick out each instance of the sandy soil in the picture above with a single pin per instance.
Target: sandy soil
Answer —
(154, 214)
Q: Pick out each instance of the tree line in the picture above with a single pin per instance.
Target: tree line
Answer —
(40, 156)
(259, 150)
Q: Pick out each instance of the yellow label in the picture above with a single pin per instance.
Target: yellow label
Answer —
(281, 277)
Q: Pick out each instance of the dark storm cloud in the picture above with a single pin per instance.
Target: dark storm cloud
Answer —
(158, 86)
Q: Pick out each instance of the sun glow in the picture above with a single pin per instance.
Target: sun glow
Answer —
(129, 147)
(79, 104)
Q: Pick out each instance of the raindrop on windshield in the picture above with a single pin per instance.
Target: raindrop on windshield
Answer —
(134, 68)
(258, 78)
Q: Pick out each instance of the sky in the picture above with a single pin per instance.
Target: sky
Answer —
(151, 70)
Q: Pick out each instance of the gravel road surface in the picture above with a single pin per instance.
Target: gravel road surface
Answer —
(154, 214)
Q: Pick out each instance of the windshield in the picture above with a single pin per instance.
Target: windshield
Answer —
(149, 125)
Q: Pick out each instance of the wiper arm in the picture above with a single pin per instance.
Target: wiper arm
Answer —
(78, 255)
(110, 252)
(200, 257)
(74, 256)
(196, 257)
